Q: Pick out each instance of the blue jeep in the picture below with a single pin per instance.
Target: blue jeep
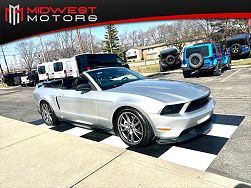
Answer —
(205, 57)
(239, 45)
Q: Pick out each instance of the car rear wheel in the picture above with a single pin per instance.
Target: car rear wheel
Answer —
(48, 115)
(162, 69)
(133, 128)
(217, 71)
(186, 74)
(229, 64)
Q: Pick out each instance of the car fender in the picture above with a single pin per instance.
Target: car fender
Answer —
(132, 106)
(137, 104)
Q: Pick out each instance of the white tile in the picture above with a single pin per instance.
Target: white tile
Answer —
(45, 126)
(191, 158)
(115, 141)
(77, 131)
(222, 130)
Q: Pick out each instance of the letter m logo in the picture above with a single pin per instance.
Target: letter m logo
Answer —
(14, 14)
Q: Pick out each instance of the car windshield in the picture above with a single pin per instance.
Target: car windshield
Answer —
(114, 77)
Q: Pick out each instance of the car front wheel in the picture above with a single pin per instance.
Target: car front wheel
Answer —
(133, 128)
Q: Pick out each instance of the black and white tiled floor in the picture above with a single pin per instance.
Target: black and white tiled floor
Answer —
(197, 153)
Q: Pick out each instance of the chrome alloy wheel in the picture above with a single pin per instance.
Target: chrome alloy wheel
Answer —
(46, 112)
(235, 49)
(130, 128)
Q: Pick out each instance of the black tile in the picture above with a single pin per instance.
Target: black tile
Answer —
(154, 150)
(227, 119)
(96, 136)
(205, 143)
(62, 127)
(37, 122)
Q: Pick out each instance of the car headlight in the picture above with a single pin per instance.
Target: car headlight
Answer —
(171, 109)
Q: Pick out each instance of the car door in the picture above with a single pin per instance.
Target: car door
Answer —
(79, 106)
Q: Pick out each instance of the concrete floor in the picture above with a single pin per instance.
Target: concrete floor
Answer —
(231, 90)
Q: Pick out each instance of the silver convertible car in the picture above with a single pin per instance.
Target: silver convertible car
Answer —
(137, 109)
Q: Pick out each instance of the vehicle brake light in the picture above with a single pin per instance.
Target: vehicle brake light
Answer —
(47, 75)
(65, 73)
(88, 68)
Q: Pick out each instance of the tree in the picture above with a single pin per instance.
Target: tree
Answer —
(28, 53)
(112, 40)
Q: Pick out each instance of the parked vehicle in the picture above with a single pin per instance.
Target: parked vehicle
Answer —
(91, 61)
(138, 110)
(30, 79)
(205, 57)
(169, 59)
(239, 45)
(45, 71)
(63, 68)
(12, 79)
(75, 66)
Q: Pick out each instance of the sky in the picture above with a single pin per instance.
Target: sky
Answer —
(98, 31)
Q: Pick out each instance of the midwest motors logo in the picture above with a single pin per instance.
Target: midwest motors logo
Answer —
(15, 14)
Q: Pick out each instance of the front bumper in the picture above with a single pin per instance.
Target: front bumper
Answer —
(189, 133)
(182, 126)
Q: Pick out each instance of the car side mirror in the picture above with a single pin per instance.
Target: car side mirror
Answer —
(83, 87)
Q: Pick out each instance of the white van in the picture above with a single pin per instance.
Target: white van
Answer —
(45, 71)
(64, 68)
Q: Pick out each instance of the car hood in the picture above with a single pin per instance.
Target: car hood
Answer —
(164, 91)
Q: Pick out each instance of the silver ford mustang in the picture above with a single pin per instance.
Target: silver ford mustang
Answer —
(136, 109)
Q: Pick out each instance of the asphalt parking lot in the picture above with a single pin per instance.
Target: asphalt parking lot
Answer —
(232, 92)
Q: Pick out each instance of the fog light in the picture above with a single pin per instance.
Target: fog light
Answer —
(164, 129)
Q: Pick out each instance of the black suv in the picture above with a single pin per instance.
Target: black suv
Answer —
(239, 45)
(12, 79)
(169, 59)
(92, 61)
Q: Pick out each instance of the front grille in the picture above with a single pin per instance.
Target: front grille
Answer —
(197, 104)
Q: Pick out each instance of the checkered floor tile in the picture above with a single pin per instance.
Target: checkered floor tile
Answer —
(197, 153)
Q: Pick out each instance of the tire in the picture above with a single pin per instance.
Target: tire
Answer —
(217, 71)
(133, 128)
(235, 49)
(229, 64)
(53, 120)
(186, 74)
(170, 60)
(162, 69)
(195, 60)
